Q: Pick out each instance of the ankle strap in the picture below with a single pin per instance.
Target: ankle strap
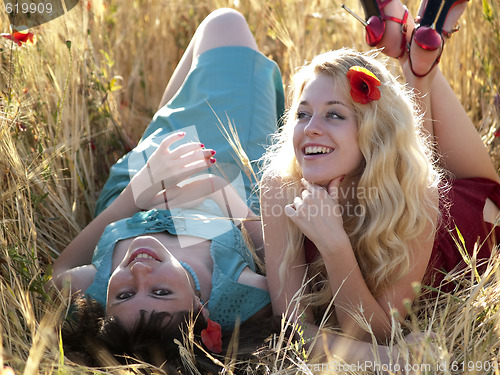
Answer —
(404, 30)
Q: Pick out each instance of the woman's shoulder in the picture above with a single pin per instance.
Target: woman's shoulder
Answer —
(77, 279)
(273, 181)
(270, 177)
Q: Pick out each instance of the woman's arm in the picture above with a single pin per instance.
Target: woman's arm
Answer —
(73, 266)
(353, 296)
(348, 285)
(80, 250)
(165, 168)
(345, 353)
(275, 228)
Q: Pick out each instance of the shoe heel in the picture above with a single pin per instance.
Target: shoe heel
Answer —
(375, 19)
(427, 38)
(425, 34)
(374, 26)
(429, 32)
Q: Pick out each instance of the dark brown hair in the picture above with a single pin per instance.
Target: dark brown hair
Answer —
(91, 338)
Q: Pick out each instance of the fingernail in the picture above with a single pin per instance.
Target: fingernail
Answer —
(202, 145)
(213, 152)
(213, 160)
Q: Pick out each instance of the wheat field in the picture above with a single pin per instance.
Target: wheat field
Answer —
(78, 99)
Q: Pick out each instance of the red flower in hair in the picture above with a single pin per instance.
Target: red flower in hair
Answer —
(212, 337)
(20, 36)
(363, 85)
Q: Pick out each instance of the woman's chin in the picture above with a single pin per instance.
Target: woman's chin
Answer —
(316, 180)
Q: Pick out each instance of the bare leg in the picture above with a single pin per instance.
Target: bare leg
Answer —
(462, 150)
(460, 146)
(223, 27)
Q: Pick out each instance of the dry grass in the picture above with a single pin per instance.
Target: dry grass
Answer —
(69, 110)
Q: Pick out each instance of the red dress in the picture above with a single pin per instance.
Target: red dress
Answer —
(465, 201)
(461, 207)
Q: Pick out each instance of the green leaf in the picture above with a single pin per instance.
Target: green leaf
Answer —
(460, 236)
(487, 11)
(61, 356)
(113, 85)
(109, 60)
(460, 242)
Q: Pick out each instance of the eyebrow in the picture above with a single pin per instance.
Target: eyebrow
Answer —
(331, 102)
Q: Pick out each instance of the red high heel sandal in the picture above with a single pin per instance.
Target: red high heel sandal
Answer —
(374, 22)
(428, 32)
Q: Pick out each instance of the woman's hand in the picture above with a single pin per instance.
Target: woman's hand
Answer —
(166, 168)
(155, 181)
(318, 215)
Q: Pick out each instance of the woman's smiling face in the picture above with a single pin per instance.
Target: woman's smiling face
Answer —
(325, 136)
(149, 278)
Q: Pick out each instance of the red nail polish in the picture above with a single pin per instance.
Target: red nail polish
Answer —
(202, 145)
(213, 152)
(213, 160)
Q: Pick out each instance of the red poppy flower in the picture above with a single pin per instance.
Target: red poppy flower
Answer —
(212, 337)
(20, 36)
(363, 85)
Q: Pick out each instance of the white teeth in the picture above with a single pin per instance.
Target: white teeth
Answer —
(317, 150)
(144, 256)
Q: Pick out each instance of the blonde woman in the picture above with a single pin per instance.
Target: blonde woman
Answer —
(351, 199)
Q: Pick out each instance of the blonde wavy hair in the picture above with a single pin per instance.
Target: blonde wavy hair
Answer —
(398, 170)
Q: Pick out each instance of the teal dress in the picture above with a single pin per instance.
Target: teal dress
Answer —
(228, 84)
(236, 85)
(229, 300)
